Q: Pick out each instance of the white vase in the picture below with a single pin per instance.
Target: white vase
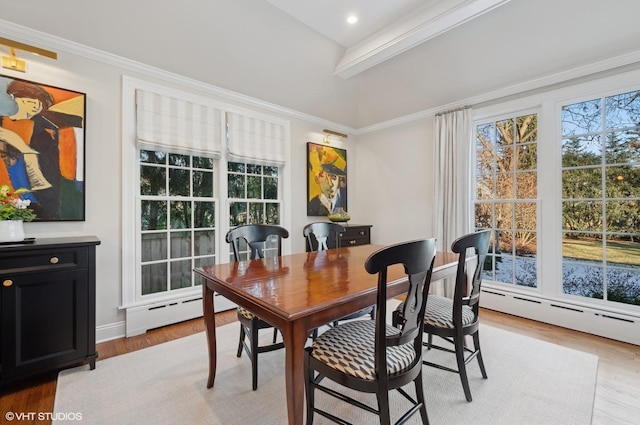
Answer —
(11, 231)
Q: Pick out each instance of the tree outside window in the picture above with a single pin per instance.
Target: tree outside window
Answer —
(506, 192)
(601, 198)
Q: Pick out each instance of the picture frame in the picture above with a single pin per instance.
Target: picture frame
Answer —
(326, 179)
(42, 146)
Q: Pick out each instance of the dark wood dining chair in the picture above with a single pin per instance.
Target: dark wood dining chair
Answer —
(250, 242)
(318, 234)
(372, 356)
(452, 319)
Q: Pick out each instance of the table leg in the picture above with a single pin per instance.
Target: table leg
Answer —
(210, 327)
(295, 338)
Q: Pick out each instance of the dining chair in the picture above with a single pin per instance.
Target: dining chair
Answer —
(256, 238)
(318, 234)
(372, 356)
(452, 319)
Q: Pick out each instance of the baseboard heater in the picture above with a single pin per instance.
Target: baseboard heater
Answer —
(143, 318)
(595, 321)
(567, 308)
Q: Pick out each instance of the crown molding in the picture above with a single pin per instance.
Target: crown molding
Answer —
(618, 64)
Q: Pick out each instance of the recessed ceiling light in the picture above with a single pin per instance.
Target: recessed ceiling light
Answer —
(352, 19)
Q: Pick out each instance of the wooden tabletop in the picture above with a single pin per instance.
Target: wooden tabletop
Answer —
(301, 284)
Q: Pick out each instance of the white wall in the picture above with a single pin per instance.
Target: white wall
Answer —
(394, 182)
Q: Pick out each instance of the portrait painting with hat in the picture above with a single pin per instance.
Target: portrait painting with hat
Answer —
(327, 179)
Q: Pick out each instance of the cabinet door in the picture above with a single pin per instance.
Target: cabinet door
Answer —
(44, 321)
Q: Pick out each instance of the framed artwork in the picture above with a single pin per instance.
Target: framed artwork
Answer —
(326, 179)
(42, 137)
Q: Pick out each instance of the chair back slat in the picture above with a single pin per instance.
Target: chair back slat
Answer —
(255, 236)
(321, 232)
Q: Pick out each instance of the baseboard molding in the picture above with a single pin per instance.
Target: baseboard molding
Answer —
(610, 325)
(109, 332)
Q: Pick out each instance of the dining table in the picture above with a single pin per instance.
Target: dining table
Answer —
(298, 293)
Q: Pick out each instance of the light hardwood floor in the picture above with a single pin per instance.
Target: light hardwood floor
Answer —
(617, 399)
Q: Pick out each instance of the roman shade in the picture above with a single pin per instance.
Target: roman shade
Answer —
(176, 125)
(256, 140)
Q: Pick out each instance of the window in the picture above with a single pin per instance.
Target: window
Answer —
(191, 166)
(253, 194)
(253, 198)
(601, 198)
(506, 197)
(177, 213)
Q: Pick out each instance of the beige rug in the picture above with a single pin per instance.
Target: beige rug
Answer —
(531, 382)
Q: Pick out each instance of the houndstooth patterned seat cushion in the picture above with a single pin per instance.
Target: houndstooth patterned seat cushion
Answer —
(349, 348)
(246, 313)
(440, 312)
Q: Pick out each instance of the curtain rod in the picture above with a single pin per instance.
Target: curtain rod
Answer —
(461, 108)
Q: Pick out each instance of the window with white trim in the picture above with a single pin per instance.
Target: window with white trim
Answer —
(179, 150)
(253, 194)
(177, 213)
(506, 192)
(254, 197)
(588, 234)
(256, 153)
(179, 143)
(601, 198)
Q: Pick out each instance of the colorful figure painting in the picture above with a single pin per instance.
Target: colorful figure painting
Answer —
(42, 134)
(327, 179)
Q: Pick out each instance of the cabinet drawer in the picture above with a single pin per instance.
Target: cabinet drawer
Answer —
(355, 235)
(39, 260)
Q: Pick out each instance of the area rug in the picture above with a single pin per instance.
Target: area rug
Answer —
(531, 382)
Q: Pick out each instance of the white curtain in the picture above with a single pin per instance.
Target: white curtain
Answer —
(255, 140)
(165, 123)
(453, 174)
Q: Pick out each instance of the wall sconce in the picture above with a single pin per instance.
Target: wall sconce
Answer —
(12, 62)
(328, 133)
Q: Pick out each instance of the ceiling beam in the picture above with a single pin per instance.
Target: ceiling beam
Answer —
(437, 19)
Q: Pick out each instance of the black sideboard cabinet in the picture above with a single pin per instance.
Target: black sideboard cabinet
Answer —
(47, 302)
(353, 235)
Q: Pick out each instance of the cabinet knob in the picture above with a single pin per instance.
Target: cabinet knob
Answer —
(352, 242)
(54, 260)
(7, 282)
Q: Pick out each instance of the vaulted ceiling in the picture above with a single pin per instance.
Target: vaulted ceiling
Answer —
(299, 54)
